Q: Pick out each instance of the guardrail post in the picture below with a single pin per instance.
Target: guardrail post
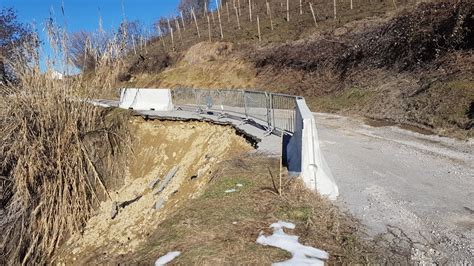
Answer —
(272, 109)
(221, 101)
(196, 100)
(245, 104)
(269, 108)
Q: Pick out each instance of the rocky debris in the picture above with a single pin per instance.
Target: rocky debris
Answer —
(201, 172)
(153, 183)
(159, 203)
(116, 206)
(167, 179)
(114, 210)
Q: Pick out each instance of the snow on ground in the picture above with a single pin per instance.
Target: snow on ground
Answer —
(167, 258)
(233, 189)
(302, 255)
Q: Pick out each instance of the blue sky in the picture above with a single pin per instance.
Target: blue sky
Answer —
(84, 14)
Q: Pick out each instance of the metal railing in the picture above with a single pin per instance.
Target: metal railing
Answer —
(273, 110)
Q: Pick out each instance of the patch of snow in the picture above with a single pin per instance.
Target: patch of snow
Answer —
(167, 258)
(302, 255)
(282, 224)
(233, 189)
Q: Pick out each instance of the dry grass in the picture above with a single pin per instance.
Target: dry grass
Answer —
(53, 173)
(159, 53)
(203, 67)
(299, 25)
(221, 228)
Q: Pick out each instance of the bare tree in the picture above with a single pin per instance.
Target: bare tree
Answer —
(186, 5)
(85, 48)
(82, 50)
(162, 25)
(130, 32)
(14, 36)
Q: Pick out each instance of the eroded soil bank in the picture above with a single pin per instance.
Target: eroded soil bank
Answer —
(222, 224)
(194, 147)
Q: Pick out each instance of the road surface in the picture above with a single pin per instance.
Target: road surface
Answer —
(419, 188)
(409, 183)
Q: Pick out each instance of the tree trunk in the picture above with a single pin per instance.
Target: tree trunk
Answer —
(3, 74)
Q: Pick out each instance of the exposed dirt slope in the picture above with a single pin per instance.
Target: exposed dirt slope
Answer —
(194, 147)
(204, 65)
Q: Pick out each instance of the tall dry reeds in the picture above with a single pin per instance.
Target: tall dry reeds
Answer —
(59, 155)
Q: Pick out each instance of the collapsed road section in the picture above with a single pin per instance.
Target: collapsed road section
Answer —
(283, 123)
(171, 162)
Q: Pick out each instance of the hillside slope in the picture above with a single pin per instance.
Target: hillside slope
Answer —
(413, 68)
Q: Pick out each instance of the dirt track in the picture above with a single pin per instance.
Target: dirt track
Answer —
(408, 183)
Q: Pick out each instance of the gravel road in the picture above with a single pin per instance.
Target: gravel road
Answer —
(418, 187)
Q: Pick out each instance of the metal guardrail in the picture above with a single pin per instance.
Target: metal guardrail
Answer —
(273, 110)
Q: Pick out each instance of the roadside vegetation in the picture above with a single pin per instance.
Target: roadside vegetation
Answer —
(392, 71)
(59, 155)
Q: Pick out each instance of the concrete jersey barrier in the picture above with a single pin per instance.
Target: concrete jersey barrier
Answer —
(304, 154)
(146, 99)
(301, 150)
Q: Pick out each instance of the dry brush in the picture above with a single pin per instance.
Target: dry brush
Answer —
(58, 154)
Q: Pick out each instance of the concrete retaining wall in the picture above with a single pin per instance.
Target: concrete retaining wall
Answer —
(304, 154)
(146, 99)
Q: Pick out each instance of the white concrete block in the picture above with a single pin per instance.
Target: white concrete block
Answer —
(146, 99)
(314, 170)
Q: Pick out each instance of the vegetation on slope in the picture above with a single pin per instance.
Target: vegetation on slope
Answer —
(163, 51)
(59, 155)
(388, 66)
(410, 40)
(391, 71)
